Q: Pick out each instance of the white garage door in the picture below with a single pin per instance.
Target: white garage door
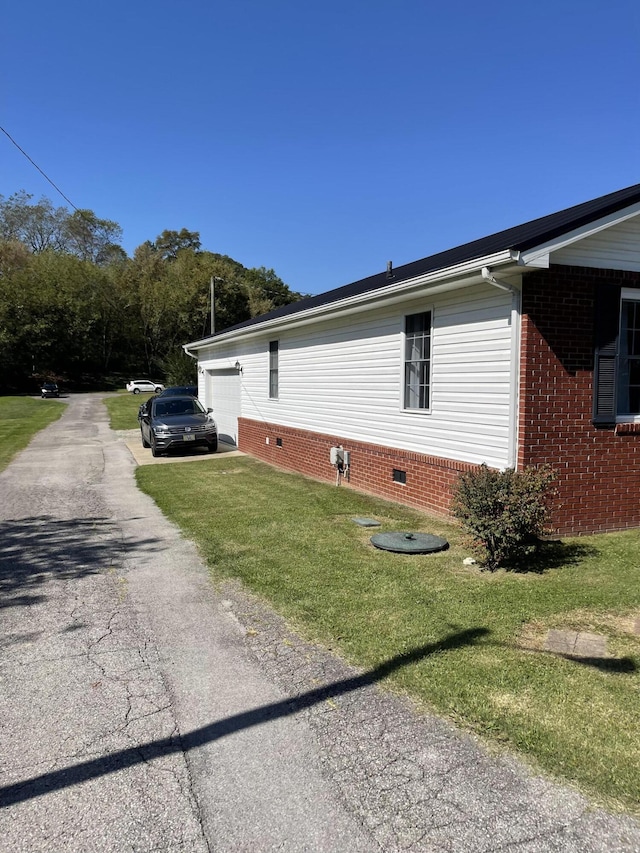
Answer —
(223, 395)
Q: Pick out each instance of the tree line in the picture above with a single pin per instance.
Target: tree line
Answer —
(76, 308)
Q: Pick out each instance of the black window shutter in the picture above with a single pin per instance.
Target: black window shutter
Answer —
(607, 323)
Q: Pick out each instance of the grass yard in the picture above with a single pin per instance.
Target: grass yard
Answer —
(123, 409)
(476, 637)
(20, 419)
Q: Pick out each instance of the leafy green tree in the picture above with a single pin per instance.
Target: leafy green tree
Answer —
(150, 304)
(169, 243)
(39, 226)
(90, 238)
(50, 316)
(179, 368)
(13, 256)
(72, 302)
(115, 301)
(267, 291)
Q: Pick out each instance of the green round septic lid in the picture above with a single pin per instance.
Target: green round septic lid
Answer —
(409, 543)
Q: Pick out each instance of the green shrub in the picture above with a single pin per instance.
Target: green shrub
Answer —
(504, 512)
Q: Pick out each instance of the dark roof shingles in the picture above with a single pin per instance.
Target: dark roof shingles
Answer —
(520, 237)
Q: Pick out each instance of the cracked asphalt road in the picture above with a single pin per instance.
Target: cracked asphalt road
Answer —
(143, 710)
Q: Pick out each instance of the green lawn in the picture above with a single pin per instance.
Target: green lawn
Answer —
(123, 409)
(20, 419)
(478, 636)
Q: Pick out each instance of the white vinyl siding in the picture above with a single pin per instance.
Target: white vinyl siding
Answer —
(616, 248)
(345, 377)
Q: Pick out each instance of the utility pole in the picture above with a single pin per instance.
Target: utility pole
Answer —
(213, 303)
(213, 306)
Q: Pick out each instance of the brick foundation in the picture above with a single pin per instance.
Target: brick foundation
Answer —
(598, 469)
(428, 478)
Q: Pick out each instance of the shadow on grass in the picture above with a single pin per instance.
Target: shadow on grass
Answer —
(625, 665)
(554, 554)
(143, 753)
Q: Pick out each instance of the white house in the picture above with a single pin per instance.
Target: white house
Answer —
(519, 348)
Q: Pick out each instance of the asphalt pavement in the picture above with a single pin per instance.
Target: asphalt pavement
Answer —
(144, 709)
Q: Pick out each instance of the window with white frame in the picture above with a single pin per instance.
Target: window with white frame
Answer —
(273, 370)
(617, 356)
(417, 360)
(628, 386)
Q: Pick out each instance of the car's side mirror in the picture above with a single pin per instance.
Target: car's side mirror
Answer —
(209, 410)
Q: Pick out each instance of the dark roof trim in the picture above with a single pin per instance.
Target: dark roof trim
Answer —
(520, 238)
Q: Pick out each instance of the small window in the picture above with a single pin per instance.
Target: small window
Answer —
(273, 370)
(417, 360)
(629, 359)
(617, 355)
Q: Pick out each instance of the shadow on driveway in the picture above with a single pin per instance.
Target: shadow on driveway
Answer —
(97, 767)
(38, 549)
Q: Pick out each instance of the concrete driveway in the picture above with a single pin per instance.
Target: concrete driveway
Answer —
(142, 455)
(144, 709)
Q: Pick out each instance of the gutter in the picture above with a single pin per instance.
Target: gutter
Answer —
(398, 290)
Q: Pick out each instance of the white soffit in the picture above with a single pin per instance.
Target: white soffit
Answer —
(538, 256)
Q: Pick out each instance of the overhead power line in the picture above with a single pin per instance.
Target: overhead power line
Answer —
(22, 151)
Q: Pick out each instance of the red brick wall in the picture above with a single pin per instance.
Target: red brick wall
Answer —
(598, 468)
(429, 478)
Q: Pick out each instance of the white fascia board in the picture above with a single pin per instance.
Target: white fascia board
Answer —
(450, 278)
(541, 261)
(539, 255)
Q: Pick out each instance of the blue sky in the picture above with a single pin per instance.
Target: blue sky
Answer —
(321, 139)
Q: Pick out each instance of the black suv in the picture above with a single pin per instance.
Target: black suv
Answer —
(180, 391)
(49, 389)
(167, 423)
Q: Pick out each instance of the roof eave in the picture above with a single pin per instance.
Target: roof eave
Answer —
(537, 255)
(460, 275)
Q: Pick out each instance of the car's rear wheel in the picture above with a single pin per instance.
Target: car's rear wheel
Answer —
(145, 443)
(136, 390)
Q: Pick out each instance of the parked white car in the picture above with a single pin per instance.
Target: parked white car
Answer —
(135, 386)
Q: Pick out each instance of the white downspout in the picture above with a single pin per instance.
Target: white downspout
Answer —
(514, 381)
(487, 275)
(196, 358)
